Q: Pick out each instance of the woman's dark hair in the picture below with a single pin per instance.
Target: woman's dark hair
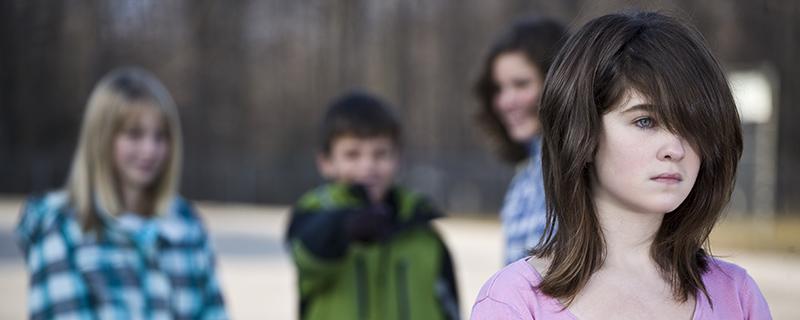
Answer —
(538, 39)
(669, 63)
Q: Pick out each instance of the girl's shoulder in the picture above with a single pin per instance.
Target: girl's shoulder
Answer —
(182, 204)
(512, 293)
(514, 277)
(40, 213)
(724, 273)
(46, 203)
(733, 292)
(183, 224)
(185, 210)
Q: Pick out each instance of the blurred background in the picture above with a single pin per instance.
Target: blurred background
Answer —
(251, 79)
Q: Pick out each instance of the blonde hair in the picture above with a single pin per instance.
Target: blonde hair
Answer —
(92, 183)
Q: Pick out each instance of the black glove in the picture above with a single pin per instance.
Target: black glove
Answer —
(372, 223)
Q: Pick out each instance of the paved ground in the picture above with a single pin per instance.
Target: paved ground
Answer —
(258, 277)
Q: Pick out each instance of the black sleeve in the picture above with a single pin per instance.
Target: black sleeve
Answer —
(447, 291)
(322, 233)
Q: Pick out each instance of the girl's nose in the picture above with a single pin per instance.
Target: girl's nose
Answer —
(673, 149)
(505, 99)
(152, 145)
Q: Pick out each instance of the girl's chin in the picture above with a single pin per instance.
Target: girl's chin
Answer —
(521, 136)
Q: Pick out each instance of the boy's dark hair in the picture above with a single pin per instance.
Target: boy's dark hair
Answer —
(539, 39)
(358, 114)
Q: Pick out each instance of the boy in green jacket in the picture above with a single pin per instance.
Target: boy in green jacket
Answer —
(364, 247)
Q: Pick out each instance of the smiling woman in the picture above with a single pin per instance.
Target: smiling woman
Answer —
(516, 102)
(508, 91)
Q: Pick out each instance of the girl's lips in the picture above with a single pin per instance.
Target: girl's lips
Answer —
(146, 168)
(668, 178)
(516, 117)
(517, 122)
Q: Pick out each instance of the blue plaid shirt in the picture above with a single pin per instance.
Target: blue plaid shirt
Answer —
(524, 210)
(159, 268)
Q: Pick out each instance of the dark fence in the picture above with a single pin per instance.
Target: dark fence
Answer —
(251, 78)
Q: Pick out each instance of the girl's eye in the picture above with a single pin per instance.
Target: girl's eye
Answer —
(644, 122)
(134, 133)
(521, 83)
(161, 136)
(381, 154)
(351, 154)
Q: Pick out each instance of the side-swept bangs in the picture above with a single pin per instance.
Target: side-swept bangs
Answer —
(679, 76)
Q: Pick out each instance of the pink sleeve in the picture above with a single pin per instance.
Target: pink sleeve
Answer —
(734, 293)
(507, 295)
(753, 302)
(488, 308)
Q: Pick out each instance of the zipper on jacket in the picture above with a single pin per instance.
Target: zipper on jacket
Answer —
(403, 307)
(384, 254)
(361, 288)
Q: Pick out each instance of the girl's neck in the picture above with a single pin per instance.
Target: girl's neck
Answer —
(134, 200)
(628, 236)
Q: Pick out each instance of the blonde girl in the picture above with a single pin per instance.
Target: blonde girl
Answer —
(119, 242)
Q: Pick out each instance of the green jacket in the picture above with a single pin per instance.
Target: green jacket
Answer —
(407, 276)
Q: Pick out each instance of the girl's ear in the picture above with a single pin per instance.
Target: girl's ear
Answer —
(324, 165)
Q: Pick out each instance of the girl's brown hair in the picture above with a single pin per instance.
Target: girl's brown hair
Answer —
(668, 63)
(538, 39)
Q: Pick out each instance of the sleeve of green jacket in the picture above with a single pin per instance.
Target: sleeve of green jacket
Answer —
(317, 236)
(446, 288)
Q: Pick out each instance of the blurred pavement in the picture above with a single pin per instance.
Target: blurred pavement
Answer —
(258, 277)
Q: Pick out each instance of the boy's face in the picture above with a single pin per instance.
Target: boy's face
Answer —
(371, 162)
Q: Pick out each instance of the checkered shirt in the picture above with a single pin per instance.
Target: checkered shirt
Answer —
(523, 213)
(162, 269)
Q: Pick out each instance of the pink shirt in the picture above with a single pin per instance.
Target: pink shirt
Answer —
(509, 294)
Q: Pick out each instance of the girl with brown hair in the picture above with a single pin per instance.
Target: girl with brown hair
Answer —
(641, 139)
